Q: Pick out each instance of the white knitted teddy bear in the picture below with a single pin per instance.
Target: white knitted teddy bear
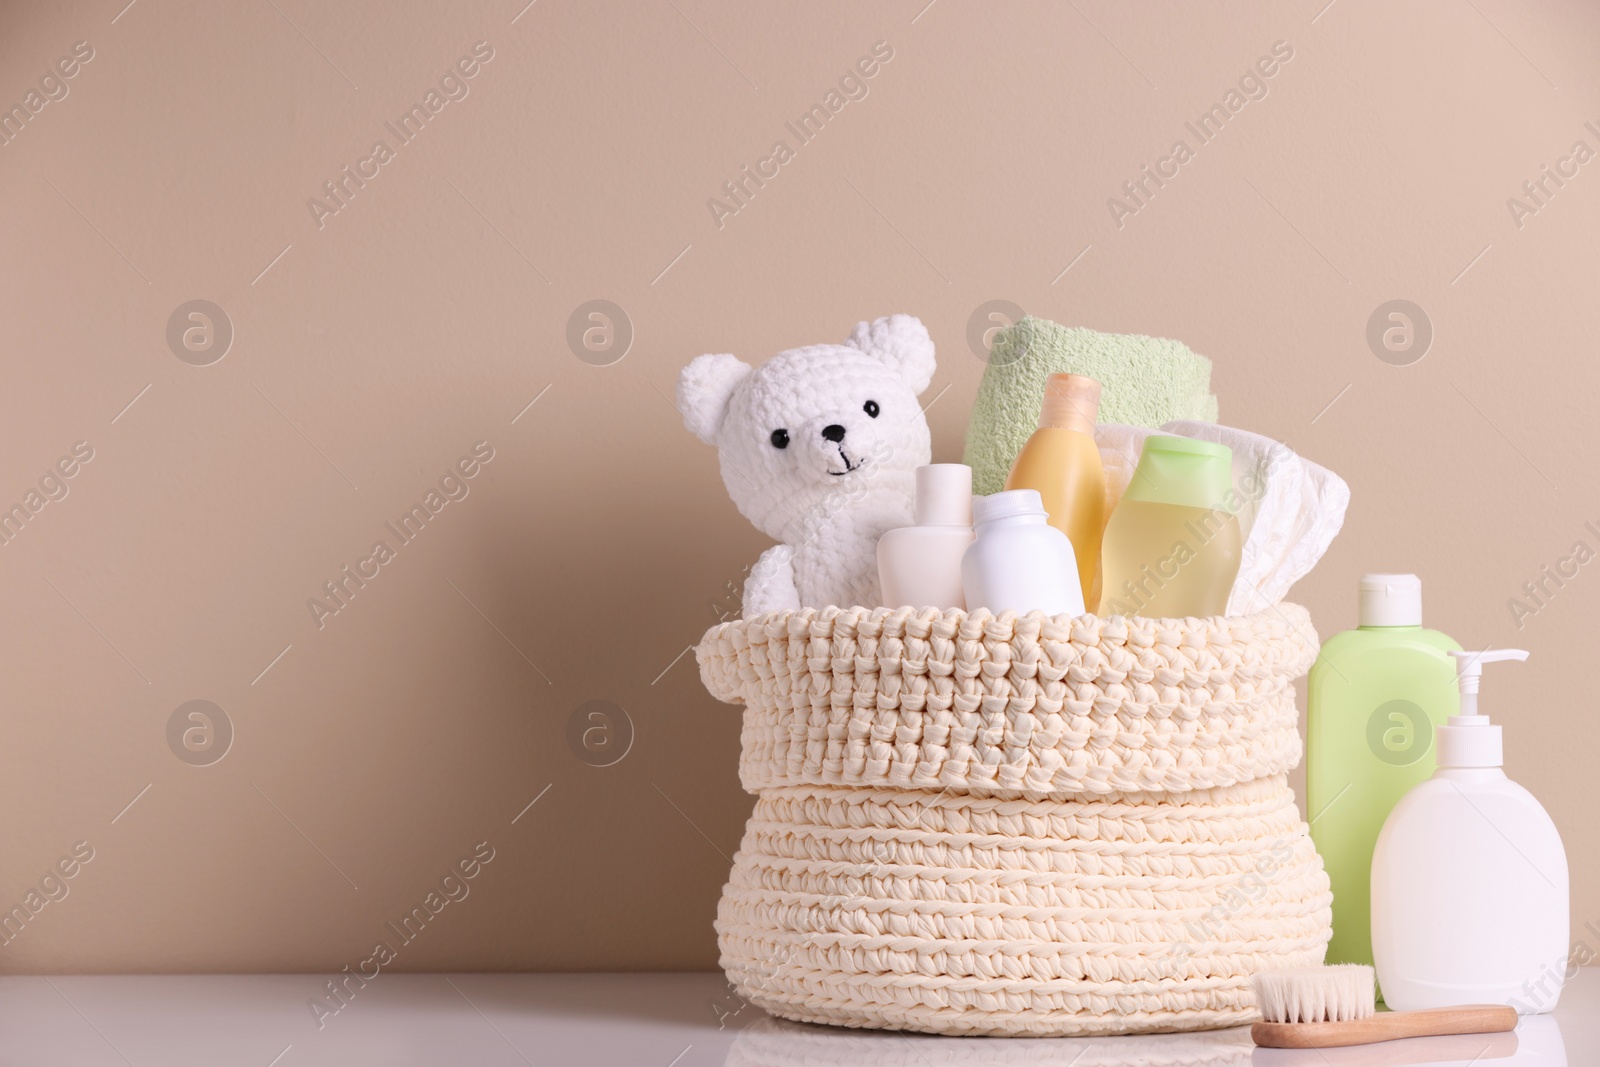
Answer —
(819, 448)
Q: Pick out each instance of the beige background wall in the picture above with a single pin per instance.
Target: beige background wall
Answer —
(372, 352)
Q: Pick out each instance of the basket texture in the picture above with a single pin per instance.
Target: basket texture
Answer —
(979, 824)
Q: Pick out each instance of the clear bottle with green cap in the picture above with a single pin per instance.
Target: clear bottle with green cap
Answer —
(1173, 544)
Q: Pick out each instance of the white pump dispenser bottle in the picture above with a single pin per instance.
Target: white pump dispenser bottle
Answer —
(1469, 879)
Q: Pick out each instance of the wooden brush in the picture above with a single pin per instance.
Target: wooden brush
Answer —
(1325, 1007)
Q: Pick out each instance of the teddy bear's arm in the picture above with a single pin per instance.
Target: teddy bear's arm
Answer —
(770, 586)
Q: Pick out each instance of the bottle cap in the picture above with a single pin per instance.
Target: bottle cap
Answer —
(1470, 739)
(1184, 472)
(1071, 402)
(1389, 600)
(1011, 503)
(944, 495)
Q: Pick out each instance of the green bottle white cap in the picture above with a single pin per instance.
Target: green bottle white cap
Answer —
(1389, 600)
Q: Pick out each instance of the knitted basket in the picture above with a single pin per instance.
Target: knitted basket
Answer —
(970, 824)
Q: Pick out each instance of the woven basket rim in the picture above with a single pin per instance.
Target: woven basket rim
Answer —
(1034, 705)
(722, 681)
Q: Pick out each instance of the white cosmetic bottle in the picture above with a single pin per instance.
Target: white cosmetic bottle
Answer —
(1469, 878)
(1018, 561)
(920, 566)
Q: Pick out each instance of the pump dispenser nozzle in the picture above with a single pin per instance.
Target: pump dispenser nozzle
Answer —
(1469, 739)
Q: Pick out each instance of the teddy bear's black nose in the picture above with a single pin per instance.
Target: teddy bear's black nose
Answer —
(834, 433)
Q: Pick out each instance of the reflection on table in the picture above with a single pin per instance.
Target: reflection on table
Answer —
(772, 1042)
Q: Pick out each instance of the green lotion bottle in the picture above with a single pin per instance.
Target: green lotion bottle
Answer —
(1376, 696)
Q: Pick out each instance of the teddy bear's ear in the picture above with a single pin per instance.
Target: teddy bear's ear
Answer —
(902, 342)
(704, 388)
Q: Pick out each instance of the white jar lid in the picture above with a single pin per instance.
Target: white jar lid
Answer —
(1006, 504)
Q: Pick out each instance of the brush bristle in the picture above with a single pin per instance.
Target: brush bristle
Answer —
(1316, 994)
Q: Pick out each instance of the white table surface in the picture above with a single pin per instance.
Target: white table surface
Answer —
(595, 1020)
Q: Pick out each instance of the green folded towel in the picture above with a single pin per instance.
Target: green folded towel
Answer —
(1145, 381)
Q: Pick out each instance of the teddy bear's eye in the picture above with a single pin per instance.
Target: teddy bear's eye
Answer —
(780, 438)
(871, 408)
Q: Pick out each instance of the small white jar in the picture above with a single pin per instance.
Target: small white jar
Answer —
(1019, 562)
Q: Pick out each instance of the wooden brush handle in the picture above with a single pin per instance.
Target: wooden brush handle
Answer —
(1387, 1026)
